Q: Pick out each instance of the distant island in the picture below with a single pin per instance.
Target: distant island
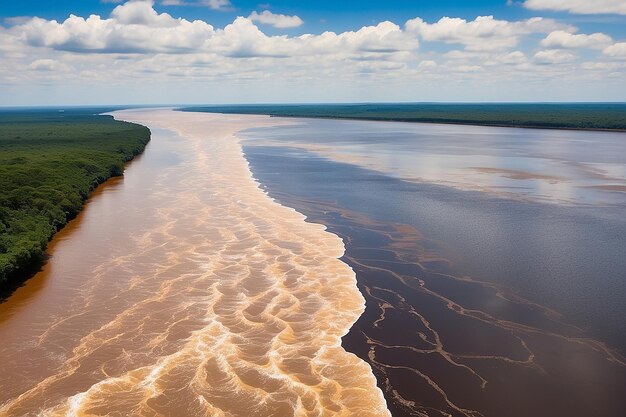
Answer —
(582, 116)
(50, 162)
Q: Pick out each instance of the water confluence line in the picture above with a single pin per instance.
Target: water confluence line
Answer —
(323, 296)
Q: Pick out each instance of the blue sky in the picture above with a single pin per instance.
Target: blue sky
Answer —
(320, 15)
(221, 51)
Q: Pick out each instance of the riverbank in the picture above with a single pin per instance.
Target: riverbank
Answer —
(50, 163)
(570, 116)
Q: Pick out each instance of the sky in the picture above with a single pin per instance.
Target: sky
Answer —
(84, 52)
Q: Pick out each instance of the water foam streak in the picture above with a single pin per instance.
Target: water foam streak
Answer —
(219, 301)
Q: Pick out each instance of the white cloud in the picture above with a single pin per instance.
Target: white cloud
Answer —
(222, 5)
(47, 65)
(280, 21)
(218, 4)
(17, 20)
(562, 39)
(386, 37)
(133, 27)
(579, 6)
(142, 13)
(428, 64)
(554, 56)
(602, 66)
(243, 39)
(482, 34)
(136, 48)
(617, 50)
(508, 58)
(469, 68)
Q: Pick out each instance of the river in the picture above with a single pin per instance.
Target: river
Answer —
(182, 289)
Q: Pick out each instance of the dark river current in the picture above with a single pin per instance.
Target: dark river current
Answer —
(492, 259)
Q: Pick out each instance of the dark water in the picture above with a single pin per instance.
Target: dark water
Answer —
(479, 303)
(555, 166)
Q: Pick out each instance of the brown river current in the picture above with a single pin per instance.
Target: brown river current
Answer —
(182, 289)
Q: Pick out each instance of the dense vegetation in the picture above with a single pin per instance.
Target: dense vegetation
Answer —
(50, 161)
(605, 116)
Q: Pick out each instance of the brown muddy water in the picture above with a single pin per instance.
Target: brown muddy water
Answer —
(182, 289)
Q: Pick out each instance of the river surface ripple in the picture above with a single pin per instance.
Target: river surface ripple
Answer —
(184, 290)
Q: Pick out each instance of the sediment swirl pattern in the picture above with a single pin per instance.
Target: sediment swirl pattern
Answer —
(191, 293)
(449, 345)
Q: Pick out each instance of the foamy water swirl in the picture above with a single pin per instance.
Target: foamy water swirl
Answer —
(225, 303)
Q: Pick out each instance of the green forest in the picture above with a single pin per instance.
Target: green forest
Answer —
(589, 116)
(50, 161)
